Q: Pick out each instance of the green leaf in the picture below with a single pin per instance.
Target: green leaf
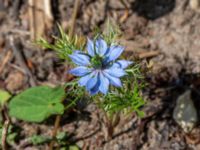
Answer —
(73, 147)
(37, 103)
(4, 96)
(64, 44)
(141, 114)
(39, 139)
(61, 136)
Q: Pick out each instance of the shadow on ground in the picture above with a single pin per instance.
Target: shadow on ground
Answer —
(153, 9)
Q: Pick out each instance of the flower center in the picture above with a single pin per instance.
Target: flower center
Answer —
(97, 62)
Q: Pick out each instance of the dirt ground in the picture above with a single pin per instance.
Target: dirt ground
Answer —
(168, 28)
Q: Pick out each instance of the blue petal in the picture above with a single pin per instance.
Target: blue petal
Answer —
(115, 52)
(77, 52)
(113, 80)
(83, 80)
(92, 81)
(90, 47)
(80, 58)
(122, 64)
(104, 84)
(106, 61)
(80, 71)
(101, 47)
(115, 72)
(95, 89)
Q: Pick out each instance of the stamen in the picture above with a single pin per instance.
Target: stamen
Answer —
(97, 62)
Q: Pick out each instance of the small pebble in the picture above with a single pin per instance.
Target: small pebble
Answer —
(185, 113)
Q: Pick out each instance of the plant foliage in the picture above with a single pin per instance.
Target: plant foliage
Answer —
(37, 103)
(4, 96)
(64, 45)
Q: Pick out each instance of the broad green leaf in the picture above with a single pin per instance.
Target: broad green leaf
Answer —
(37, 103)
(4, 96)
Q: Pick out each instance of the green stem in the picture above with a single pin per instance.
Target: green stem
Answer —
(107, 122)
(56, 127)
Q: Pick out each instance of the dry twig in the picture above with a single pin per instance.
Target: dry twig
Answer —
(5, 128)
(149, 54)
(4, 134)
(125, 16)
(4, 62)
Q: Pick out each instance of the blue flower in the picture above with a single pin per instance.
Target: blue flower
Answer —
(99, 67)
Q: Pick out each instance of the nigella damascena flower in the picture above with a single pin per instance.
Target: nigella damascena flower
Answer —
(99, 67)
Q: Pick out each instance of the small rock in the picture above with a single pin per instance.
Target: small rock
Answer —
(185, 113)
(15, 81)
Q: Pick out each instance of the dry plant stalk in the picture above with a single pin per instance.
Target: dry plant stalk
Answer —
(195, 5)
(74, 15)
(40, 16)
(6, 124)
(4, 134)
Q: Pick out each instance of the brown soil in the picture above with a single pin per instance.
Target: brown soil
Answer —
(169, 27)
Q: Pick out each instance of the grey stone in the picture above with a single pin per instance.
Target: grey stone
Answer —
(185, 113)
